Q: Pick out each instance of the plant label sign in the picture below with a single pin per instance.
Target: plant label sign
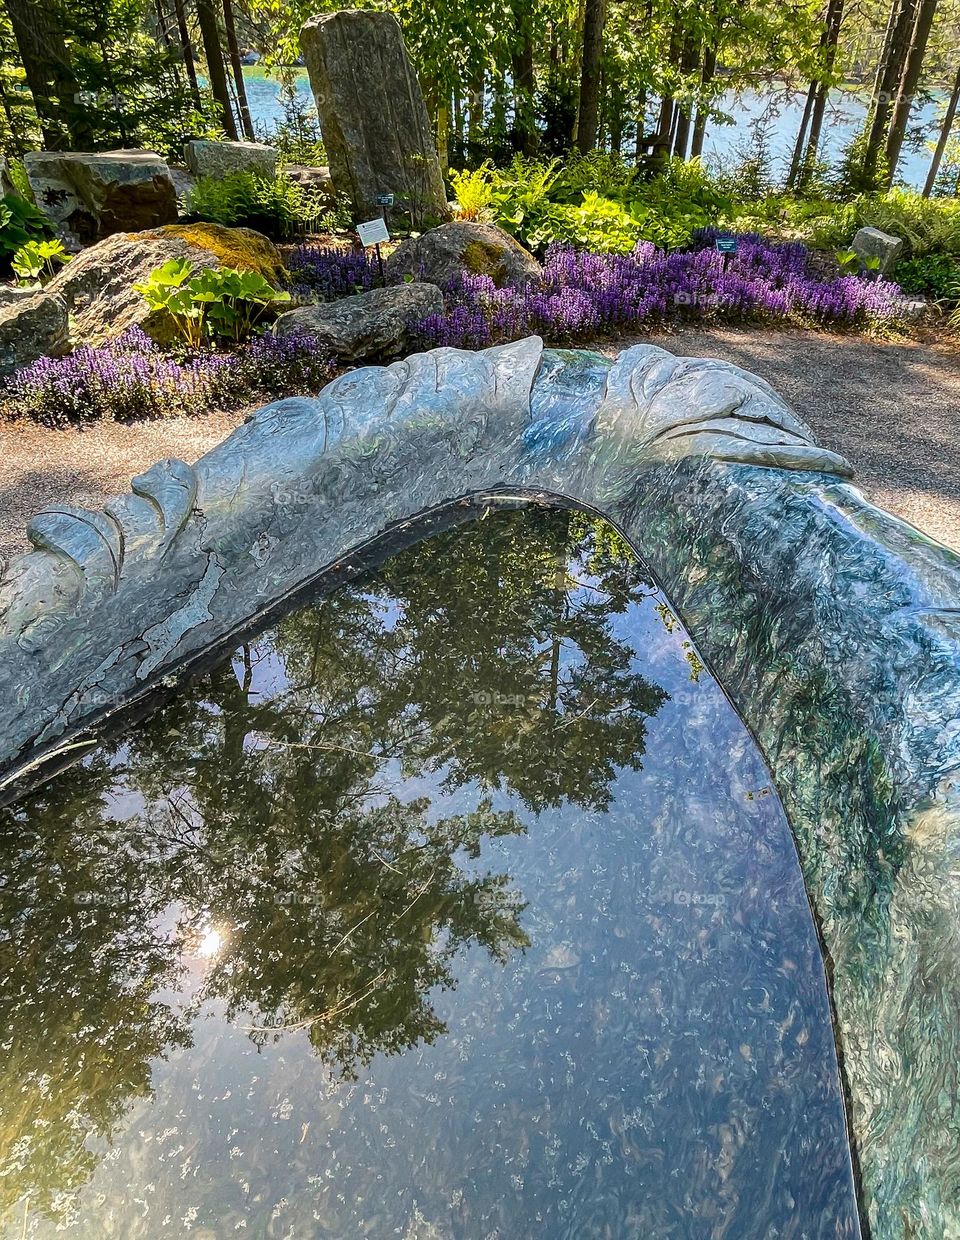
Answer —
(726, 245)
(384, 200)
(372, 232)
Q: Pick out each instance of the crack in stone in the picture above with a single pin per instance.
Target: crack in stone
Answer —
(163, 638)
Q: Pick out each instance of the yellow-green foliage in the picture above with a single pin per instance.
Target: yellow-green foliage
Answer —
(473, 191)
(240, 248)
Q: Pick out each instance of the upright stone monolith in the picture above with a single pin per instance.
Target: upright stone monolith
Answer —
(374, 121)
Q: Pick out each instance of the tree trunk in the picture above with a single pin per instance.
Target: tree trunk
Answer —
(524, 121)
(688, 63)
(908, 84)
(458, 117)
(660, 146)
(641, 126)
(475, 117)
(616, 118)
(186, 48)
(801, 142)
(889, 76)
(892, 15)
(831, 40)
(163, 29)
(588, 115)
(243, 107)
(37, 28)
(700, 124)
(666, 122)
(498, 109)
(948, 118)
(210, 34)
(443, 135)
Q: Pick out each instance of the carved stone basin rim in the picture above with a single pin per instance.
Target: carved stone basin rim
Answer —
(833, 628)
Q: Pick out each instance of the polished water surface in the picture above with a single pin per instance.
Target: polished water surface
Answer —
(457, 905)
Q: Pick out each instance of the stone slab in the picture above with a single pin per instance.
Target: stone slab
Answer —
(92, 195)
(872, 243)
(205, 158)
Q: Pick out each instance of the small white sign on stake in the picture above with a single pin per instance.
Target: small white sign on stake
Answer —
(373, 232)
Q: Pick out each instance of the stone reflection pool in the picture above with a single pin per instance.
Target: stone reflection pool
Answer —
(458, 904)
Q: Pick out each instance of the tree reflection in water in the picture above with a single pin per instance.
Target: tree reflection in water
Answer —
(267, 810)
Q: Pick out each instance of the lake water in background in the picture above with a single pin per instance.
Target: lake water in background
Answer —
(843, 121)
(458, 905)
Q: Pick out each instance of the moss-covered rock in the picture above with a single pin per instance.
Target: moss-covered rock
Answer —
(97, 285)
(242, 248)
(440, 255)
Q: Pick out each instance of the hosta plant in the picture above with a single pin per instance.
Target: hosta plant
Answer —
(20, 222)
(233, 301)
(166, 291)
(851, 264)
(212, 303)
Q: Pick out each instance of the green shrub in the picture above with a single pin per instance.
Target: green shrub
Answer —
(17, 175)
(851, 263)
(20, 223)
(215, 302)
(935, 276)
(599, 203)
(927, 225)
(473, 192)
(603, 173)
(276, 206)
(520, 199)
(297, 137)
(782, 214)
(749, 172)
(850, 175)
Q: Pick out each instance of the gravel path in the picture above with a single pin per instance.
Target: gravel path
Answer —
(40, 468)
(892, 409)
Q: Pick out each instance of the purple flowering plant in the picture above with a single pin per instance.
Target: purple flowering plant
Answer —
(132, 377)
(582, 294)
(324, 273)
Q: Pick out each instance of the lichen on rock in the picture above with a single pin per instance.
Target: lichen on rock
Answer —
(465, 246)
(243, 248)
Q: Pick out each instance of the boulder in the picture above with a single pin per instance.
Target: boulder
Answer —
(311, 178)
(914, 309)
(97, 285)
(374, 122)
(444, 253)
(32, 327)
(872, 243)
(11, 294)
(183, 181)
(376, 324)
(91, 196)
(217, 159)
